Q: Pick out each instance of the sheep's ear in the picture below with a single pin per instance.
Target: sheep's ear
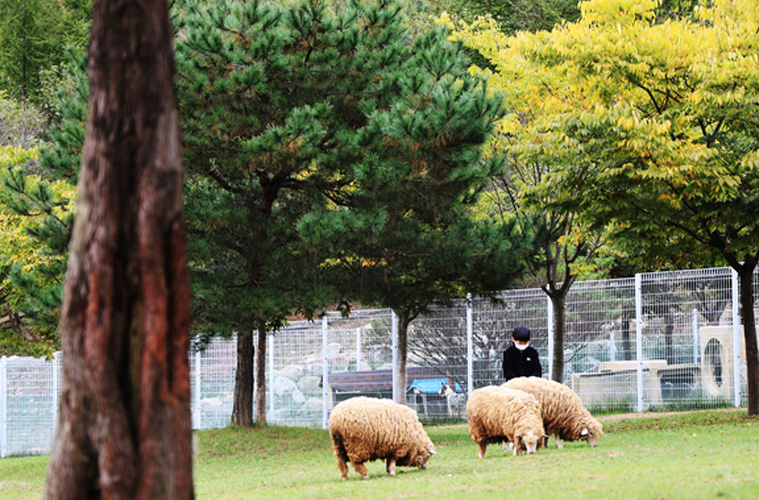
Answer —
(546, 436)
(584, 432)
(432, 451)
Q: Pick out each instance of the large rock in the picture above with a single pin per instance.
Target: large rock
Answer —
(286, 390)
(310, 384)
(293, 372)
(312, 406)
(333, 350)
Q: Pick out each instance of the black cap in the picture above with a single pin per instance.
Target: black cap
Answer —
(521, 333)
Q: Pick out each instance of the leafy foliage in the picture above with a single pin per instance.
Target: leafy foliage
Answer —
(287, 113)
(408, 237)
(35, 219)
(660, 116)
(33, 37)
(515, 15)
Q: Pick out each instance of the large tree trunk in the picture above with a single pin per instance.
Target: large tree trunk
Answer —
(242, 411)
(261, 375)
(124, 427)
(746, 274)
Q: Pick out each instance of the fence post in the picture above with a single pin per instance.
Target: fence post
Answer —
(358, 349)
(469, 346)
(325, 372)
(639, 337)
(394, 323)
(3, 406)
(549, 327)
(736, 339)
(198, 420)
(271, 378)
(695, 336)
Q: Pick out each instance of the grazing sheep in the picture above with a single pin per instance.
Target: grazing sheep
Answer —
(563, 412)
(497, 414)
(364, 429)
(456, 402)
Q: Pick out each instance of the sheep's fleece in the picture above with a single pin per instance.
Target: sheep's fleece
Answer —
(497, 414)
(364, 429)
(563, 412)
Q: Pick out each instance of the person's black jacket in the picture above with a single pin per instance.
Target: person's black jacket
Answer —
(518, 363)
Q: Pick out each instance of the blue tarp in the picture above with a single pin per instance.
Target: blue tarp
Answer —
(431, 385)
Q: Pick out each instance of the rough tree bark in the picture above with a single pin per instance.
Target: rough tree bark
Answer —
(404, 320)
(242, 410)
(746, 276)
(558, 302)
(261, 375)
(124, 427)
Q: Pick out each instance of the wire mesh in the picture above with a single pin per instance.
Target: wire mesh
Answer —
(359, 357)
(212, 373)
(600, 344)
(437, 363)
(294, 385)
(29, 417)
(688, 323)
(495, 320)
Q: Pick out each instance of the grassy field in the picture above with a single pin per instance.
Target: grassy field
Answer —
(700, 455)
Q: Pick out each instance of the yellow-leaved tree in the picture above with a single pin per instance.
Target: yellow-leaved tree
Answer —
(652, 126)
(31, 272)
(564, 244)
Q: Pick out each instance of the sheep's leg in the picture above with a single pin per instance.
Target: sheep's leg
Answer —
(361, 469)
(390, 467)
(342, 467)
(559, 444)
(481, 448)
(341, 454)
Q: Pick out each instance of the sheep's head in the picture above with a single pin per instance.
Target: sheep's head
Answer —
(421, 458)
(419, 455)
(530, 441)
(591, 432)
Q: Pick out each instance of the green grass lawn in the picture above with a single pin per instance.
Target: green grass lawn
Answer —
(700, 455)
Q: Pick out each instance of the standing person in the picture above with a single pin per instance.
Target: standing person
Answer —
(521, 360)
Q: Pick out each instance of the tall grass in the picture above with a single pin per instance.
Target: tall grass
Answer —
(696, 455)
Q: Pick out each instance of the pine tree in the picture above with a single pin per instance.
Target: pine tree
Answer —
(272, 105)
(409, 238)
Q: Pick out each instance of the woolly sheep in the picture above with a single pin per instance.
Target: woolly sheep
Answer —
(497, 414)
(364, 429)
(563, 412)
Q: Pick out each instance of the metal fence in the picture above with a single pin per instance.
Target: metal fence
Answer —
(656, 341)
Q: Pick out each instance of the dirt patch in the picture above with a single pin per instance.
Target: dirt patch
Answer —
(645, 414)
(658, 414)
